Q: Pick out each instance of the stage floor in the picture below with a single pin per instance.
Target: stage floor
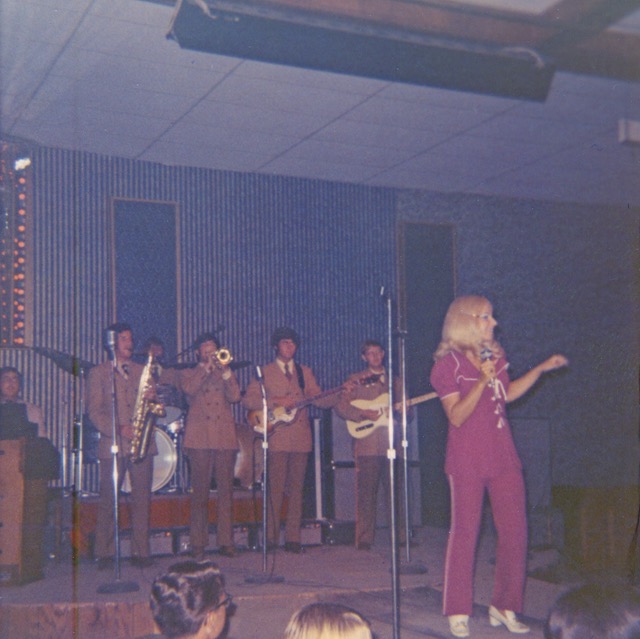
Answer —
(67, 605)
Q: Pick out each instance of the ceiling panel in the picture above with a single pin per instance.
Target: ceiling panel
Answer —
(102, 76)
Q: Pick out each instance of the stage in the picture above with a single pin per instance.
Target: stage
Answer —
(66, 603)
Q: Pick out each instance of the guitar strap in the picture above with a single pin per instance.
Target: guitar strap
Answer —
(300, 376)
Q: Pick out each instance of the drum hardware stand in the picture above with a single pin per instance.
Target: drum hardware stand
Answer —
(117, 585)
(264, 577)
(408, 568)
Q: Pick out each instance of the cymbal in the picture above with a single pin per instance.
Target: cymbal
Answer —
(68, 363)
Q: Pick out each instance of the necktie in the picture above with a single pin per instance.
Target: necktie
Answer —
(125, 371)
(287, 372)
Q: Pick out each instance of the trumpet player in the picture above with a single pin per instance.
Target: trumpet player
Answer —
(210, 441)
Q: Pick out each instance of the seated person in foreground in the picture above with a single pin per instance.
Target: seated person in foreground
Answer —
(595, 611)
(189, 601)
(327, 621)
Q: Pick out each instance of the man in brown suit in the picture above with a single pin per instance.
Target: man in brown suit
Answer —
(370, 452)
(127, 375)
(286, 384)
(211, 443)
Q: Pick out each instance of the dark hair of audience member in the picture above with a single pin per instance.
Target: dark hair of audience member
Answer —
(182, 598)
(595, 611)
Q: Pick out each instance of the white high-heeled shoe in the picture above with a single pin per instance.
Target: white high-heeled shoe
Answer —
(459, 625)
(507, 618)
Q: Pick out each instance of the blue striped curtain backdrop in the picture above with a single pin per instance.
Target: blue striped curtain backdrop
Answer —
(255, 252)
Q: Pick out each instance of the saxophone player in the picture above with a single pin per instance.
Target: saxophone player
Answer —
(100, 405)
(210, 441)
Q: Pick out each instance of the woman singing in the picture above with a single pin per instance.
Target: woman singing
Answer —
(471, 379)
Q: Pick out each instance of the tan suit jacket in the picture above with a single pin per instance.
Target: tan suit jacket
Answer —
(296, 435)
(377, 443)
(99, 405)
(210, 422)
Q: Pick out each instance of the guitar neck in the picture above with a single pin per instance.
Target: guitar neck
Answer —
(417, 400)
(309, 400)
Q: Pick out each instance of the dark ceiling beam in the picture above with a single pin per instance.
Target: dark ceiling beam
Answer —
(588, 45)
(270, 32)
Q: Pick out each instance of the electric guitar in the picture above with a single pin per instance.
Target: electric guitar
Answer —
(281, 416)
(363, 429)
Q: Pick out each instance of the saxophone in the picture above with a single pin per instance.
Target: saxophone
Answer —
(144, 415)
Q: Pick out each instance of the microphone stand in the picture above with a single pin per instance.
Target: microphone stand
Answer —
(264, 578)
(407, 568)
(391, 455)
(116, 585)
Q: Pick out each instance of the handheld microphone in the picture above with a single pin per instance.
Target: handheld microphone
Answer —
(259, 373)
(485, 355)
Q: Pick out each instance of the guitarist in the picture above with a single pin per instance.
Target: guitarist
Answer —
(370, 452)
(287, 383)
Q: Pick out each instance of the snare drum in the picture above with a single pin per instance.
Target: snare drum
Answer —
(164, 463)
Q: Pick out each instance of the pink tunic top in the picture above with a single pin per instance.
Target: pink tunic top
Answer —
(482, 446)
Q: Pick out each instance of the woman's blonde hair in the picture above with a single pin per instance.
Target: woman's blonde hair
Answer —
(327, 621)
(460, 331)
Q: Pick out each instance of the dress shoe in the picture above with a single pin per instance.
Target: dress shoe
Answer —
(363, 546)
(294, 547)
(507, 618)
(227, 551)
(105, 563)
(459, 625)
(141, 562)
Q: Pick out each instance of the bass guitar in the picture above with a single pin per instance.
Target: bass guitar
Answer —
(363, 429)
(279, 416)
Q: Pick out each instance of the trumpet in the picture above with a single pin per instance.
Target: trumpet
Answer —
(222, 357)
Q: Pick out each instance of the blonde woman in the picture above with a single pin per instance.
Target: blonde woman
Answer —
(471, 378)
(327, 621)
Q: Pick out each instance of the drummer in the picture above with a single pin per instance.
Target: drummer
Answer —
(167, 381)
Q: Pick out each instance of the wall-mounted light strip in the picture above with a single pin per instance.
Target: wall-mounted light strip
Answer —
(14, 190)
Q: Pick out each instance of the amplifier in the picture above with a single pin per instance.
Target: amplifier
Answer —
(337, 532)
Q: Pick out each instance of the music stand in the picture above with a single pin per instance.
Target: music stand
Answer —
(264, 577)
(117, 585)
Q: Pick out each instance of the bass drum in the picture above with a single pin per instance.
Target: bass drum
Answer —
(164, 463)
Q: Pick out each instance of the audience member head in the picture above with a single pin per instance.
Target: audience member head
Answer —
(10, 383)
(595, 611)
(327, 621)
(189, 601)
